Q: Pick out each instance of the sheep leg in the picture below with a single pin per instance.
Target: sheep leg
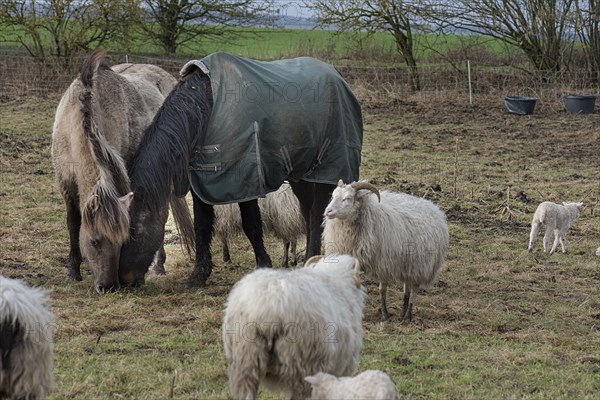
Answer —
(225, 246)
(383, 293)
(252, 225)
(284, 258)
(73, 225)
(546, 239)
(556, 239)
(535, 229)
(294, 244)
(407, 306)
(158, 264)
(563, 242)
(204, 217)
(10, 336)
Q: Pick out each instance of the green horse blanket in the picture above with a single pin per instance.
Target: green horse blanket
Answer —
(290, 120)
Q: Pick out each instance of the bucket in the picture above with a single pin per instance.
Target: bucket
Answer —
(580, 103)
(521, 105)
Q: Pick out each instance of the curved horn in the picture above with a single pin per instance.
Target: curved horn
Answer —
(367, 186)
(313, 260)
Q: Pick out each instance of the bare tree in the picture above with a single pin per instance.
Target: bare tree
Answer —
(587, 25)
(539, 27)
(399, 18)
(174, 23)
(63, 27)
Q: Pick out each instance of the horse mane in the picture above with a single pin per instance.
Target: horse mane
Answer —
(104, 210)
(163, 155)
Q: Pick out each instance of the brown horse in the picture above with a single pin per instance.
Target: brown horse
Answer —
(98, 126)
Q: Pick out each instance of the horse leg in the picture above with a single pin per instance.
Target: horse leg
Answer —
(74, 226)
(252, 225)
(204, 217)
(225, 247)
(321, 196)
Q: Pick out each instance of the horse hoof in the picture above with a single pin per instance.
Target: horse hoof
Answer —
(159, 270)
(73, 277)
(196, 282)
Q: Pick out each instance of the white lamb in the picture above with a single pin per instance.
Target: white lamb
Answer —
(283, 325)
(368, 385)
(399, 239)
(26, 342)
(556, 218)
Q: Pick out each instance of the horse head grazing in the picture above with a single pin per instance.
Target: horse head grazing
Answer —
(98, 126)
(105, 213)
(159, 164)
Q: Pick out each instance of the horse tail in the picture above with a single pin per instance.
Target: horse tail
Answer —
(184, 223)
(105, 209)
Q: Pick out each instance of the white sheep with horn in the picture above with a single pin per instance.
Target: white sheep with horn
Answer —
(557, 219)
(283, 325)
(26, 341)
(398, 238)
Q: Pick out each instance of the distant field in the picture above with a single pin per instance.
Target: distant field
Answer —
(269, 44)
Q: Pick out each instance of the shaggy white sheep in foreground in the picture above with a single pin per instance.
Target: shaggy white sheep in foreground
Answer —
(283, 325)
(556, 218)
(368, 385)
(399, 239)
(26, 342)
(281, 217)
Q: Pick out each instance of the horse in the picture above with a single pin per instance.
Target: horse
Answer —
(98, 125)
(231, 131)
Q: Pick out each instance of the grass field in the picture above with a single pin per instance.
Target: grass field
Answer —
(500, 322)
(343, 47)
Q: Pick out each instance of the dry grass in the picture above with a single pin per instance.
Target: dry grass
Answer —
(500, 323)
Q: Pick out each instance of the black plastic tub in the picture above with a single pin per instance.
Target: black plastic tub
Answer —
(521, 105)
(580, 103)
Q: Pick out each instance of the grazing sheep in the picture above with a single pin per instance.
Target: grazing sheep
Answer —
(283, 325)
(598, 252)
(368, 385)
(280, 214)
(556, 218)
(399, 239)
(26, 342)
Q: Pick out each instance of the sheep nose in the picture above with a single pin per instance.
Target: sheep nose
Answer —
(328, 213)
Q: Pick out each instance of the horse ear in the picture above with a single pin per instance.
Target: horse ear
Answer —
(126, 200)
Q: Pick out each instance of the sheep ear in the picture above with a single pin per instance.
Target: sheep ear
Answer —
(340, 183)
(579, 204)
(313, 380)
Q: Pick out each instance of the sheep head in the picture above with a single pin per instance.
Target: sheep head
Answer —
(344, 199)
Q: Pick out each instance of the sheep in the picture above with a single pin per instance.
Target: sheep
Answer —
(398, 239)
(557, 218)
(598, 252)
(281, 217)
(283, 325)
(368, 385)
(26, 342)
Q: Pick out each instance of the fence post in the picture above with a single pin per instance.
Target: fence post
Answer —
(470, 86)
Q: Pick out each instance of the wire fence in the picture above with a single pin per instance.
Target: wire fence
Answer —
(22, 75)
